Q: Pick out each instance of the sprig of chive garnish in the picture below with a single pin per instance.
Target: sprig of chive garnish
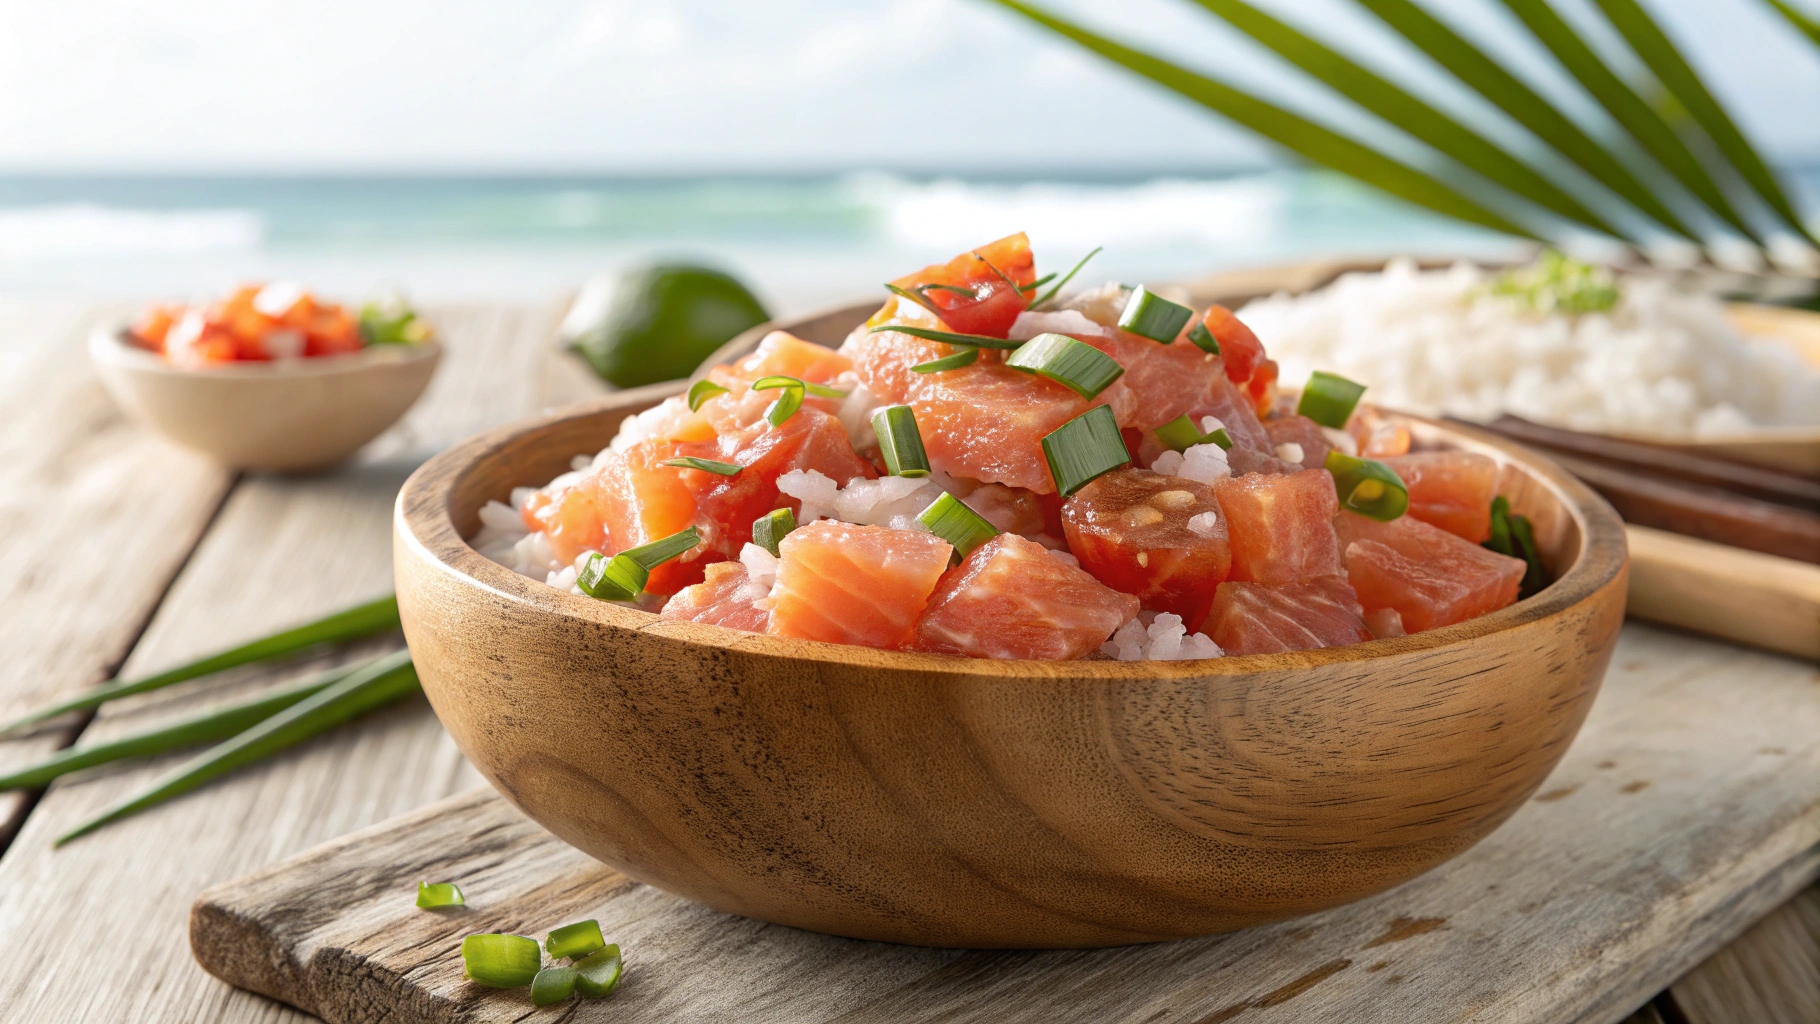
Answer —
(1069, 276)
(947, 337)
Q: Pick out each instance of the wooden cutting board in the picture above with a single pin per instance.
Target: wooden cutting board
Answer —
(1683, 813)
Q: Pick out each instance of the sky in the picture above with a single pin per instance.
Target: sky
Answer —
(660, 86)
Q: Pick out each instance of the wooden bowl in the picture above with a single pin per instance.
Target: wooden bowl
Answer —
(293, 416)
(954, 802)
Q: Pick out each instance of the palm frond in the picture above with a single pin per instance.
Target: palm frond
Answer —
(1405, 110)
(1312, 141)
(1632, 112)
(1802, 21)
(1664, 59)
(1528, 108)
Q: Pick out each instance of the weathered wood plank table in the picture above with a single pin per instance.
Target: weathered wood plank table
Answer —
(118, 552)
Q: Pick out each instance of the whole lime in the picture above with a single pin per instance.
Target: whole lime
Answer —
(662, 320)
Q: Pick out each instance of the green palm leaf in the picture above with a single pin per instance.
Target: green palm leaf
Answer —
(1679, 78)
(1298, 134)
(1485, 76)
(1808, 26)
(1405, 110)
(1630, 110)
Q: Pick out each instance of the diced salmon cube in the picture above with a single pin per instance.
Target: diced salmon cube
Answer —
(724, 597)
(1452, 490)
(1431, 577)
(847, 584)
(1281, 526)
(1011, 598)
(1251, 619)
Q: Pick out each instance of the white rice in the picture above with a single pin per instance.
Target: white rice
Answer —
(1203, 463)
(1662, 363)
(1159, 638)
(892, 501)
(1071, 322)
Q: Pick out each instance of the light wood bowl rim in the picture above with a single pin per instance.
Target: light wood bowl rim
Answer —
(424, 519)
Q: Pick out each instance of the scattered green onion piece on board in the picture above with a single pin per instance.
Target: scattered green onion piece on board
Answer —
(1204, 339)
(431, 895)
(1535, 577)
(1367, 486)
(1328, 399)
(788, 401)
(770, 529)
(1083, 449)
(1149, 315)
(900, 442)
(1179, 434)
(1074, 364)
(705, 465)
(374, 685)
(952, 520)
(701, 391)
(1500, 527)
(574, 941)
(1056, 289)
(950, 337)
(552, 985)
(501, 961)
(599, 973)
(612, 579)
(965, 357)
(360, 621)
(208, 727)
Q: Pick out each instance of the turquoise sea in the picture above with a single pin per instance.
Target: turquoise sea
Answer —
(800, 240)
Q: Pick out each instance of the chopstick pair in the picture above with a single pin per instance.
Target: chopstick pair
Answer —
(249, 730)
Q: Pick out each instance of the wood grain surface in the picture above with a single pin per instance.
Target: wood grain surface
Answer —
(1756, 599)
(1682, 814)
(1770, 975)
(280, 550)
(942, 801)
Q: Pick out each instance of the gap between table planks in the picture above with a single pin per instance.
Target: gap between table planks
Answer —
(1683, 813)
(279, 551)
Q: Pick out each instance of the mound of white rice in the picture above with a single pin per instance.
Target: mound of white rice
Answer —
(1661, 363)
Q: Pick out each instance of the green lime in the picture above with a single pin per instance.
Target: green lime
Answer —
(662, 321)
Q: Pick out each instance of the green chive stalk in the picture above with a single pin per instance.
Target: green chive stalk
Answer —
(209, 727)
(373, 686)
(363, 620)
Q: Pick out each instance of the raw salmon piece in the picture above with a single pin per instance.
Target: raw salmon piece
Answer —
(1385, 622)
(1012, 599)
(849, 584)
(1302, 432)
(987, 422)
(1160, 538)
(1252, 450)
(1281, 526)
(727, 505)
(569, 518)
(723, 598)
(991, 274)
(783, 353)
(1160, 383)
(641, 500)
(1452, 490)
(1252, 619)
(1378, 436)
(1010, 509)
(1431, 577)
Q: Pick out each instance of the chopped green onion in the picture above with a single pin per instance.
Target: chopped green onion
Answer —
(1149, 315)
(770, 529)
(965, 357)
(950, 337)
(375, 685)
(360, 621)
(1328, 399)
(1204, 339)
(1219, 437)
(778, 380)
(552, 985)
(917, 297)
(1499, 540)
(1367, 486)
(574, 941)
(900, 442)
(1083, 449)
(1069, 276)
(701, 391)
(440, 894)
(780, 411)
(950, 519)
(1076, 365)
(621, 577)
(208, 727)
(501, 961)
(1535, 577)
(1179, 434)
(599, 972)
(954, 288)
(1038, 283)
(705, 465)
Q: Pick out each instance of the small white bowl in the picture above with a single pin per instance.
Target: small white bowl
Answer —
(291, 416)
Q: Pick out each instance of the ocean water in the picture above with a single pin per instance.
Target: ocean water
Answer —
(800, 241)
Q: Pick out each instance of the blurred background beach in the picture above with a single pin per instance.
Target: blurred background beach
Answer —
(813, 147)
